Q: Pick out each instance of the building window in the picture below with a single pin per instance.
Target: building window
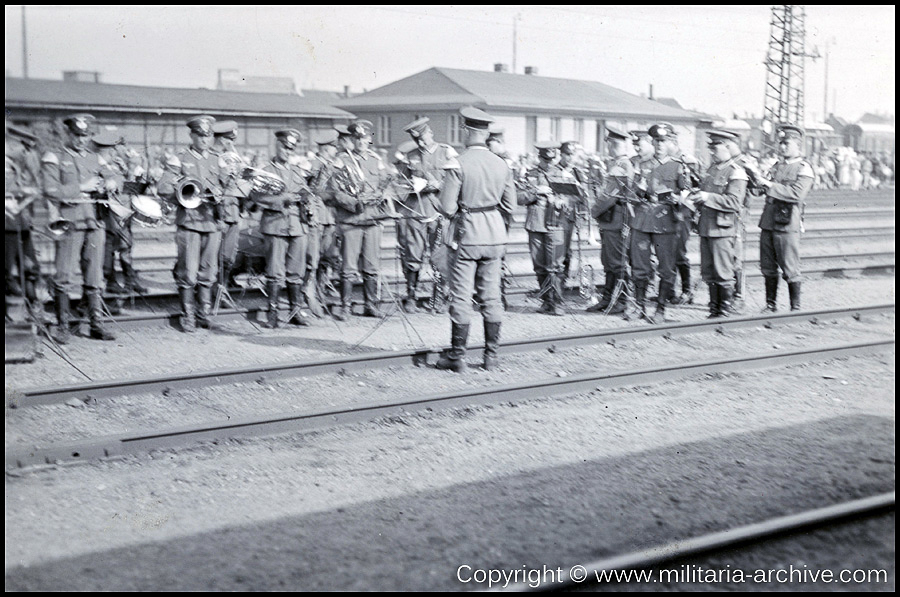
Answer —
(556, 128)
(579, 130)
(384, 130)
(455, 130)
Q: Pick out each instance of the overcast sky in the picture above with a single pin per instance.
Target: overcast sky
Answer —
(708, 58)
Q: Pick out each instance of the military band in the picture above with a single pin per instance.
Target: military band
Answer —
(327, 212)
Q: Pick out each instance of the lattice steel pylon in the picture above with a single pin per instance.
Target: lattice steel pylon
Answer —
(785, 69)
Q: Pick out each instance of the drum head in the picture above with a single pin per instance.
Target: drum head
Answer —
(147, 210)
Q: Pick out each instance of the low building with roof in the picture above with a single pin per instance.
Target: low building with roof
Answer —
(529, 107)
(150, 117)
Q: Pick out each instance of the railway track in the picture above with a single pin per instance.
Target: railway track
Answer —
(133, 443)
(593, 573)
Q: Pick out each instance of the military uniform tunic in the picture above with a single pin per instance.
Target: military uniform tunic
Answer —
(18, 233)
(475, 197)
(61, 177)
(329, 252)
(779, 241)
(610, 211)
(724, 188)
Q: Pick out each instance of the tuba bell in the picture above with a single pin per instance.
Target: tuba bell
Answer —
(264, 183)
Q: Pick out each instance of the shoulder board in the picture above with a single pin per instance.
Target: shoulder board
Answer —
(451, 164)
(49, 158)
(738, 173)
(806, 169)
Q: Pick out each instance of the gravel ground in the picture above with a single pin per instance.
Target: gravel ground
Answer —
(402, 502)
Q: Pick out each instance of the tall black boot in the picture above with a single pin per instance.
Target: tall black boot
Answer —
(273, 290)
(370, 296)
(295, 298)
(725, 294)
(714, 305)
(95, 314)
(771, 294)
(665, 290)
(554, 296)
(617, 303)
(794, 293)
(412, 285)
(63, 318)
(454, 359)
(132, 283)
(204, 306)
(606, 294)
(640, 300)
(491, 344)
(188, 316)
(343, 311)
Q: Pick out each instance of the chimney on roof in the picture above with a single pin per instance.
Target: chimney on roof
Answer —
(499, 67)
(531, 70)
(346, 91)
(651, 90)
(81, 76)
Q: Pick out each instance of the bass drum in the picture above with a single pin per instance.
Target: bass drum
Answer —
(147, 211)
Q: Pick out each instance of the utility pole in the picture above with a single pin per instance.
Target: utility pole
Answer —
(785, 70)
(828, 43)
(24, 46)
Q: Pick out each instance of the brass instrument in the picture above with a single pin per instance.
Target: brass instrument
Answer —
(191, 192)
(352, 183)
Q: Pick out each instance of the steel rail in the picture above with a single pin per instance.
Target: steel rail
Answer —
(293, 422)
(380, 359)
(589, 574)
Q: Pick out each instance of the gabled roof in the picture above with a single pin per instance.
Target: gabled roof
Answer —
(69, 95)
(448, 87)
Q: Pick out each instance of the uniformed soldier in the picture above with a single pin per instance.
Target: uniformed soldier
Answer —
(234, 193)
(611, 212)
(72, 185)
(497, 145)
(478, 191)
(568, 153)
(544, 222)
(328, 256)
(655, 224)
(357, 192)
(117, 214)
(644, 160)
(420, 224)
(690, 165)
(719, 201)
(22, 190)
(197, 234)
(285, 226)
(785, 188)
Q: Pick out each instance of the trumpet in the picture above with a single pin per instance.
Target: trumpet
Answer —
(191, 192)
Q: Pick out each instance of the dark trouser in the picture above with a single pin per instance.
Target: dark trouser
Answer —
(612, 253)
(476, 271)
(717, 260)
(198, 258)
(82, 248)
(286, 259)
(27, 262)
(228, 248)
(119, 241)
(780, 250)
(329, 251)
(547, 252)
(313, 253)
(568, 227)
(642, 244)
(412, 236)
(361, 250)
